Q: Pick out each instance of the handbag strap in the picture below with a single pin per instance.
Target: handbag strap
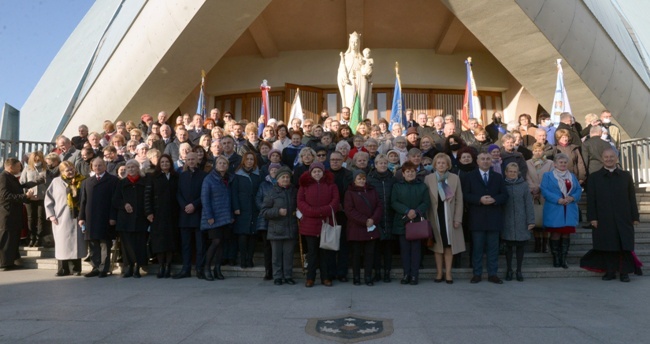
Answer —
(333, 217)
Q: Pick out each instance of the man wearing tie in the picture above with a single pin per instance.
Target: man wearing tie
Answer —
(484, 192)
(197, 131)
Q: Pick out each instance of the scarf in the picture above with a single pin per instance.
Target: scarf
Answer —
(133, 179)
(443, 188)
(271, 180)
(562, 179)
(72, 191)
(467, 167)
(496, 165)
(538, 163)
(224, 178)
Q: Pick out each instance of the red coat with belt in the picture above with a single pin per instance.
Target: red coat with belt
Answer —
(316, 199)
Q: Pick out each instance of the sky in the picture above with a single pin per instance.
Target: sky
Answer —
(31, 33)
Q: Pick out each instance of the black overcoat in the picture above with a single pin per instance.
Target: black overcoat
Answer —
(160, 201)
(96, 207)
(612, 202)
(189, 191)
(11, 217)
(133, 194)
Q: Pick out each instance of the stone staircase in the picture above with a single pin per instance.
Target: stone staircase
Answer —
(536, 265)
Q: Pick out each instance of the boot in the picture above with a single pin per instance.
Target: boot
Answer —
(208, 274)
(544, 245)
(217, 272)
(168, 271)
(161, 271)
(564, 249)
(386, 276)
(538, 245)
(555, 251)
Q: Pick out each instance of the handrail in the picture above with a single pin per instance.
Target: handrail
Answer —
(635, 158)
(20, 149)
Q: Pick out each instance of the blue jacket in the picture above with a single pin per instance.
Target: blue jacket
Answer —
(244, 190)
(216, 199)
(189, 191)
(556, 215)
(484, 217)
(265, 188)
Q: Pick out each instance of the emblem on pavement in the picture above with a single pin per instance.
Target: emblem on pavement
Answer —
(349, 328)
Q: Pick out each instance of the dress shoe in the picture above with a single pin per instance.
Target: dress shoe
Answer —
(405, 280)
(414, 281)
(495, 280)
(309, 283)
(356, 281)
(217, 273)
(136, 272)
(278, 281)
(182, 274)
(93, 273)
(62, 273)
(289, 281)
(369, 281)
(437, 280)
(342, 279)
(12, 267)
(199, 274)
(609, 276)
(103, 274)
(208, 275)
(449, 281)
(475, 279)
(327, 283)
(77, 273)
(509, 274)
(625, 278)
(519, 276)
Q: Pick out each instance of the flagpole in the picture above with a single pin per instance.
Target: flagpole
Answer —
(399, 81)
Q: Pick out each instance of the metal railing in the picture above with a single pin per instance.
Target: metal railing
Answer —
(635, 158)
(19, 149)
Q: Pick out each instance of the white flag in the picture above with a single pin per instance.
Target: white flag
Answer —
(296, 108)
(560, 100)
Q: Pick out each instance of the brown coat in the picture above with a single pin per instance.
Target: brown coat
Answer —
(534, 177)
(453, 212)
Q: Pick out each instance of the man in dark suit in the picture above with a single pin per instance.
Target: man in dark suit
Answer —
(484, 192)
(496, 129)
(11, 213)
(410, 120)
(95, 212)
(197, 130)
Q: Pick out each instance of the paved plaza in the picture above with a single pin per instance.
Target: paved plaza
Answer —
(36, 307)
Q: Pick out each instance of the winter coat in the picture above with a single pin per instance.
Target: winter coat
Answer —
(216, 198)
(483, 217)
(244, 189)
(361, 204)
(265, 188)
(534, 177)
(383, 183)
(508, 157)
(161, 202)
(406, 196)
(612, 202)
(453, 213)
(298, 171)
(290, 155)
(11, 217)
(518, 211)
(592, 150)
(68, 239)
(316, 201)
(280, 227)
(133, 194)
(189, 191)
(557, 215)
(95, 207)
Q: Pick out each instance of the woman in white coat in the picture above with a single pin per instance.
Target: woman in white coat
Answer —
(445, 214)
(62, 209)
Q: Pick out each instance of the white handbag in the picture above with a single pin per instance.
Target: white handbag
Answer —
(330, 235)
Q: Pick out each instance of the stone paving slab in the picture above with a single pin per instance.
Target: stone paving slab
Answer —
(38, 307)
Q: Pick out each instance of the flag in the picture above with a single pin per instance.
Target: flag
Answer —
(355, 117)
(560, 100)
(397, 111)
(265, 102)
(471, 103)
(296, 108)
(200, 106)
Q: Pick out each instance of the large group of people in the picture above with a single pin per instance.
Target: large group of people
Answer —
(213, 188)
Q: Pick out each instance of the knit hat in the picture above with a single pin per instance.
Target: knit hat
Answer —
(274, 165)
(492, 147)
(282, 170)
(274, 151)
(316, 165)
(357, 172)
(411, 130)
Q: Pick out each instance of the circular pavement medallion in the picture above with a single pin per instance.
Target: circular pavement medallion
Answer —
(349, 328)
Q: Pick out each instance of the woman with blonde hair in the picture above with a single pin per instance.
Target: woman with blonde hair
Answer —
(446, 215)
(537, 166)
(35, 172)
(62, 209)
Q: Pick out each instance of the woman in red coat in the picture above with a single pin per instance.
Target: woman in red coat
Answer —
(318, 197)
(363, 210)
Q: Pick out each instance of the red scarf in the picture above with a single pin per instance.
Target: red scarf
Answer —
(133, 179)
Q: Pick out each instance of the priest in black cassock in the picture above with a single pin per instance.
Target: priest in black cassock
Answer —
(613, 213)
